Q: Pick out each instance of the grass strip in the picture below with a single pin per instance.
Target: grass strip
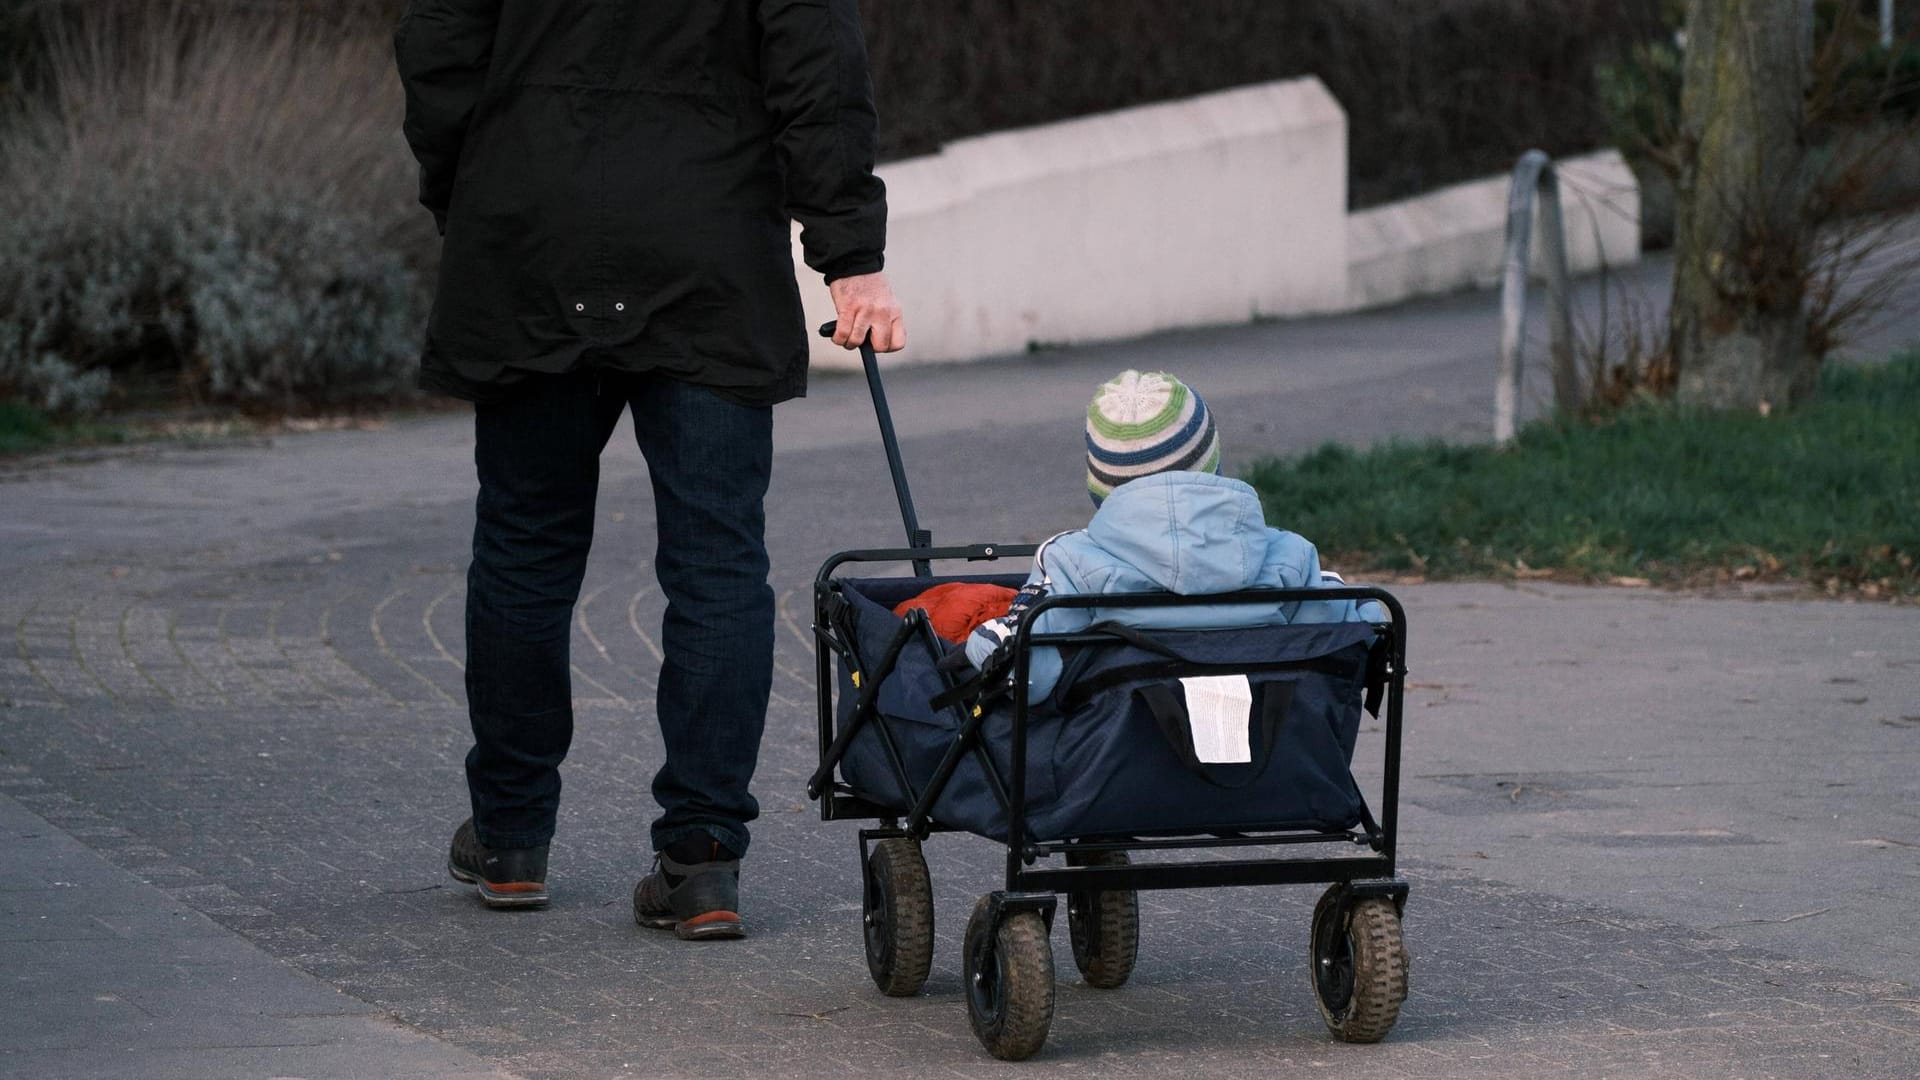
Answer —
(1827, 494)
(25, 429)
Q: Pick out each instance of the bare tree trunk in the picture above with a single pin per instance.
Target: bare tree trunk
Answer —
(1742, 243)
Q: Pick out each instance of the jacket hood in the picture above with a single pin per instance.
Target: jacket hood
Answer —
(1189, 532)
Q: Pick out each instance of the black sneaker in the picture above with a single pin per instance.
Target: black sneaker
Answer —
(506, 877)
(694, 891)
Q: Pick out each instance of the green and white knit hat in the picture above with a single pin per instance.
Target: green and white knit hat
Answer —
(1141, 424)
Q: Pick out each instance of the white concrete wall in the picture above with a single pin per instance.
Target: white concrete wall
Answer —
(1211, 210)
(1455, 238)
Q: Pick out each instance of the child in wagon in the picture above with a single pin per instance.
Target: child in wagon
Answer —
(1165, 520)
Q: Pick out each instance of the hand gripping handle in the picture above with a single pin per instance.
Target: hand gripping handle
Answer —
(916, 537)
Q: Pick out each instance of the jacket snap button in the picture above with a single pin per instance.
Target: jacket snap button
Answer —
(579, 307)
(619, 307)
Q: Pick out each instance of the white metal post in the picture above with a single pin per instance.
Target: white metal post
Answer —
(1886, 24)
(1534, 181)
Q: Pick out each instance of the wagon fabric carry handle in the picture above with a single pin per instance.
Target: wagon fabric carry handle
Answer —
(1377, 673)
(916, 536)
(1170, 712)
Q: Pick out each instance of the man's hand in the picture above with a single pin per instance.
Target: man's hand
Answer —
(863, 304)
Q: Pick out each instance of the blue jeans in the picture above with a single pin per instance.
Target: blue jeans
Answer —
(538, 457)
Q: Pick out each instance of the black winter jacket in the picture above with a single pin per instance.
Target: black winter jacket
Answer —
(614, 181)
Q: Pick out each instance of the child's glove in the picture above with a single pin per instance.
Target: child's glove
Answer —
(996, 635)
(981, 671)
(988, 638)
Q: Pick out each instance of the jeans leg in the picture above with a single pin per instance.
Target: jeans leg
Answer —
(538, 459)
(710, 461)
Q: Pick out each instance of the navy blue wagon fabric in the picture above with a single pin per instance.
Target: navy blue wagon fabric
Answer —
(1098, 762)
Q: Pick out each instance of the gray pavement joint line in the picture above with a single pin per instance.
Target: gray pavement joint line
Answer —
(26, 654)
(173, 639)
(426, 623)
(380, 639)
(159, 636)
(801, 634)
(231, 660)
(202, 1045)
(633, 620)
(326, 642)
(580, 613)
(126, 649)
(340, 679)
(611, 695)
(802, 679)
(247, 672)
(279, 646)
(646, 683)
(580, 618)
(50, 630)
(781, 699)
(79, 654)
(782, 667)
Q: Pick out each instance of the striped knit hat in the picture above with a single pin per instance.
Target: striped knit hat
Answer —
(1141, 424)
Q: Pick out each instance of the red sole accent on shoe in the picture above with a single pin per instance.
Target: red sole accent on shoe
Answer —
(713, 924)
(515, 886)
(506, 894)
(511, 900)
(711, 917)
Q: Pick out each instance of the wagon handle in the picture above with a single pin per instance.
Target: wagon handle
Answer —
(917, 538)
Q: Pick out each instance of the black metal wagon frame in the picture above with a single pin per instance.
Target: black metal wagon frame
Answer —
(1358, 960)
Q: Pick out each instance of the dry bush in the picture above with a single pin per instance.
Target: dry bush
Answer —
(1847, 253)
(1862, 176)
(210, 201)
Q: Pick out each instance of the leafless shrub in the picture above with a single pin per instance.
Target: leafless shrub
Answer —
(1863, 167)
(1831, 250)
(208, 200)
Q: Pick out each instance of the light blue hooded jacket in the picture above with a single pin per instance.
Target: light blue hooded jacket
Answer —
(1185, 532)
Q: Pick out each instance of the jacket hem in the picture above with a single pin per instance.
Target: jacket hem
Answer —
(438, 376)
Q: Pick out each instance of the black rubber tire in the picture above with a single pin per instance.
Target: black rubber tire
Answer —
(1104, 926)
(1359, 969)
(1008, 975)
(897, 913)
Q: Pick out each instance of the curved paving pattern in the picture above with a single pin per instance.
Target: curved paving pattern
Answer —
(326, 637)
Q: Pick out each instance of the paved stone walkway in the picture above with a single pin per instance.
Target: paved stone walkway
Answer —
(109, 976)
(1648, 834)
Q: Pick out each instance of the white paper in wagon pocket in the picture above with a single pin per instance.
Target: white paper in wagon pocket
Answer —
(1220, 711)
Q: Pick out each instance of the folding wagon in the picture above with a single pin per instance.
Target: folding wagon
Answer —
(1103, 771)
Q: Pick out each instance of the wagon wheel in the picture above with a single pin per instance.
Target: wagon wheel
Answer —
(1104, 925)
(1359, 967)
(1008, 972)
(897, 906)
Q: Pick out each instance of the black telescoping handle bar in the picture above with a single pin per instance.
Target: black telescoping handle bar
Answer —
(916, 538)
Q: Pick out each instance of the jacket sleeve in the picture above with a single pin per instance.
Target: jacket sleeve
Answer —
(443, 48)
(1044, 663)
(814, 69)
